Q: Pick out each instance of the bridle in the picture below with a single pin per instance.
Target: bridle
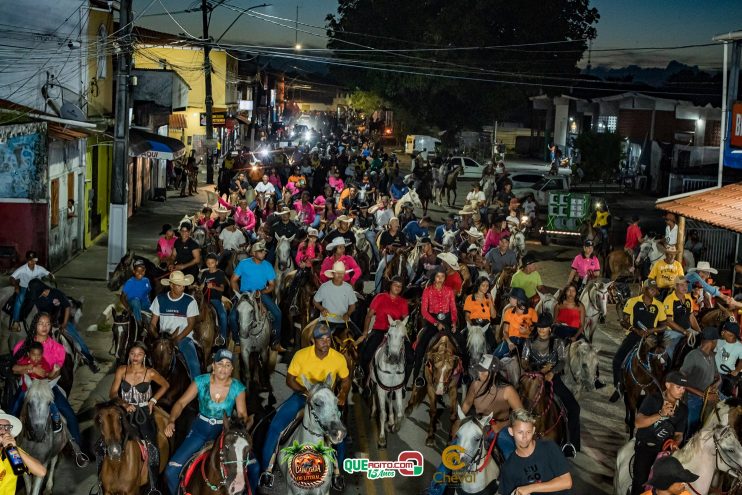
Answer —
(474, 460)
(255, 325)
(645, 366)
(552, 403)
(376, 369)
(446, 355)
(313, 414)
(721, 456)
(223, 463)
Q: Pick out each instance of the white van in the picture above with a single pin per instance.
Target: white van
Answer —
(417, 143)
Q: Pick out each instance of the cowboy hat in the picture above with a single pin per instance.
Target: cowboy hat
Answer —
(284, 211)
(474, 232)
(219, 210)
(704, 266)
(472, 247)
(311, 232)
(466, 210)
(449, 258)
(338, 241)
(671, 249)
(339, 268)
(178, 278)
(258, 246)
(345, 218)
(16, 426)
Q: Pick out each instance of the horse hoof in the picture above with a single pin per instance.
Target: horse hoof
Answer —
(430, 442)
(381, 444)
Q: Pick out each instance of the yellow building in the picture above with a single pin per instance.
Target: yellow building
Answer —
(100, 109)
(188, 62)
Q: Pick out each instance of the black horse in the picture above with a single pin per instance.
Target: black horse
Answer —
(123, 272)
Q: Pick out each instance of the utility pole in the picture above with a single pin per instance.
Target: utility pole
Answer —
(209, 100)
(296, 28)
(118, 211)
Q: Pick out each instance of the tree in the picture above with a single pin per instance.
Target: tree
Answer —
(366, 101)
(491, 81)
(600, 154)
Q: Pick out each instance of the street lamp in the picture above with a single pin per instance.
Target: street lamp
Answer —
(237, 18)
(297, 46)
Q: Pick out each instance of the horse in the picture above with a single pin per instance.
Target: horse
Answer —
(710, 450)
(255, 334)
(581, 368)
(284, 262)
(619, 293)
(124, 332)
(476, 345)
(321, 423)
(642, 373)
(397, 266)
(411, 197)
(223, 463)
(449, 184)
(620, 263)
(448, 242)
(388, 379)
(298, 309)
(363, 253)
(594, 298)
(538, 398)
(166, 362)
(124, 468)
(124, 269)
(716, 316)
(442, 372)
(425, 188)
(547, 302)
(38, 438)
(649, 249)
(518, 243)
(476, 469)
(489, 187)
(501, 287)
(207, 324)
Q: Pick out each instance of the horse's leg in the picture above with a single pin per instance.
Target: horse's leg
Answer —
(37, 485)
(452, 395)
(397, 408)
(50, 475)
(433, 408)
(383, 417)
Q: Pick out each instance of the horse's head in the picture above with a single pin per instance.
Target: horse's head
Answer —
(448, 240)
(121, 273)
(470, 437)
(360, 236)
(442, 362)
(599, 293)
(163, 353)
(476, 343)
(395, 339)
(234, 444)
(654, 352)
(584, 363)
(322, 409)
(532, 387)
(199, 235)
(728, 450)
(283, 251)
(547, 302)
(76, 309)
(413, 197)
(114, 429)
(648, 249)
(38, 399)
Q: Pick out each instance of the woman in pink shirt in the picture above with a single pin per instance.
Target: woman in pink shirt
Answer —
(305, 209)
(243, 216)
(585, 266)
(335, 181)
(337, 250)
(274, 179)
(496, 231)
(309, 249)
(165, 243)
(55, 355)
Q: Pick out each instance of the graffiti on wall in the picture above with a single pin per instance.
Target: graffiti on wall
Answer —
(23, 161)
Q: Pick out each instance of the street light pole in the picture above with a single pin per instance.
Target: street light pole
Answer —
(118, 210)
(209, 99)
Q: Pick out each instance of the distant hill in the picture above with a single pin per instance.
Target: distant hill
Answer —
(653, 76)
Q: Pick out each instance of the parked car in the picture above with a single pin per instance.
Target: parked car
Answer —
(472, 168)
(541, 189)
(416, 143)
(538, 168)
(521, 180)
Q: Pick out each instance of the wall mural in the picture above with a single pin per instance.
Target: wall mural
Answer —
(23, 161)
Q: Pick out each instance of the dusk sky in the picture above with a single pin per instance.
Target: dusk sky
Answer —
(623, 24)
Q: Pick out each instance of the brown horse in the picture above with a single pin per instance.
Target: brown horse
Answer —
(643, 373)
(298, 310)
(539, 399)
(501, 288)
(716, 316)
(223, 465)
(206, 328)
(621, 264)
(442, 371)
(397, 267)
(124, 467)
(167, 363)
(449, 185)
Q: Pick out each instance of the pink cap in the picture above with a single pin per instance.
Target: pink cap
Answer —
(319, 201)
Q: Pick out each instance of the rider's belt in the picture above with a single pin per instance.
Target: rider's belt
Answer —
(442, 316)
(142, 404)
(211, 421)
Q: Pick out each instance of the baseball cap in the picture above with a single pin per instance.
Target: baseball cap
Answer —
(677, 378)
(680, 280)
(710, 333)
(212, 256)
(138, 262)
(588, 243)
(321, 330)
(668, 471)
(732, 327)
(649, 283)
(31, 255)
(222, 354)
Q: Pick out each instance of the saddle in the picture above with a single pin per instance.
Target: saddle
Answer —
(196, 460)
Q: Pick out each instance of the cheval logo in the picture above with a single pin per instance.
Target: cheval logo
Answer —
(451, 457)
(408, 463)
(307, 463)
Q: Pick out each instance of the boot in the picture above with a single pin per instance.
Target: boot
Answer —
(56, 423)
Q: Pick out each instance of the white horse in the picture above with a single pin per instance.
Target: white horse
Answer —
(518, 243)
(387, 378)
(649, 249)
(710, 450)
(547, 303)
(255, 335)
(410, 196)
(362, 244)
(594, 299)
(476, 344)
(186, 219)
(39, 440)
(321, 422)
(581, 368)
(448, 242)
(283, 264)
(477, 470)
(488, 184)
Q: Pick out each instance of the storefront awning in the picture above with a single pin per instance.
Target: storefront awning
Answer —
(243, 119)
(153, 145)
(720, 206)
(177, 121)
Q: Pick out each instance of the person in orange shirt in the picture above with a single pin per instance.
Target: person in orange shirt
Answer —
(669, 477)
(517, 323)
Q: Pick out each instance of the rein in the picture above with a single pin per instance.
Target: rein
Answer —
(549, 406)
(646, 367)
(376, 369)
(222, 468)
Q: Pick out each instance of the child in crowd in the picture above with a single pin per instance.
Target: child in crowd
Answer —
(136, 291)
(33, 366)
(214, 281)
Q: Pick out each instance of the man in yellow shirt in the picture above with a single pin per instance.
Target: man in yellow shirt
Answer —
(665, 271)
(10, 427)
(310, 365)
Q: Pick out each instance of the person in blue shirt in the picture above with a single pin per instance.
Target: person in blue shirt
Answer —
(136, 291)
(218, 395)
(418, 228)
(398, 188)
(449, 226)
(256, 274)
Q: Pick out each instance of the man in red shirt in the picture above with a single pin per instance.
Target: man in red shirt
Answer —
(633, 236)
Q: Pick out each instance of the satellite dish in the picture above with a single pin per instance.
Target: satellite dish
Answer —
(72, 112)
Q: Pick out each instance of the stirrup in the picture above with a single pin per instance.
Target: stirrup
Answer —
(81, 459)
(266, 479)
(219, 340)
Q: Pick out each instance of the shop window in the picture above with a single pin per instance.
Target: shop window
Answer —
(607, 123)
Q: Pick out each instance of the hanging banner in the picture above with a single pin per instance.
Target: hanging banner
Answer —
(218, 119)
(735, 133)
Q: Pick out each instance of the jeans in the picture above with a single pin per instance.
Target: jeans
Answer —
(201, 432)
(272, 308)
(565, 331)
(503, 349)
(19, 298)
(695, 408)
(84, 349)
(371, 238)
(380, 272)
(644, 457)
(285, 414)
(60, 406)
(623, 350)
(670, 340)
(137, 305)
(188, 349)
(572, 407)
(315, 223)
(221, 314)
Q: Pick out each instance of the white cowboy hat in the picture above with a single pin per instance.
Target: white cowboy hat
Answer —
(337, 267)
(311, 232)
(345, 218)
(449, 258)
(338, 241)
(671, 249)
(472, 247)
(704, 266)
(258, 246)
(466, 211)
(219, 210)
(283, 211)
(15, 423)
(474, 232)
(178, 278)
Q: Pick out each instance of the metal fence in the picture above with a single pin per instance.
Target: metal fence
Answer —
(720, 245)
(679, 184)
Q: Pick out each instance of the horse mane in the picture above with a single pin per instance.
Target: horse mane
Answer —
(40, 390)
(693, 447)
(475, 340)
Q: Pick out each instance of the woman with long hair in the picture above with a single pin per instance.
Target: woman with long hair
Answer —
(569, 315)
(479, 307)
